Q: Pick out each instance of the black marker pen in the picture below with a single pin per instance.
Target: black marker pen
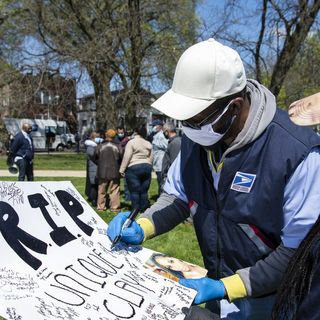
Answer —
(126, 224)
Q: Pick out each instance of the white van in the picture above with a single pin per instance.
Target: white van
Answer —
(61, 137)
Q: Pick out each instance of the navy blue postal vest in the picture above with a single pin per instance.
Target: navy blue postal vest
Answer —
(236, 228)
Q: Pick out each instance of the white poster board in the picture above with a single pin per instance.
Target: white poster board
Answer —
(56, 262)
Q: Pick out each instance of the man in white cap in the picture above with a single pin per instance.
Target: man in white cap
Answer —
(249, 177)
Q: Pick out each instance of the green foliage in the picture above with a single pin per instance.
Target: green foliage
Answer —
(282, 98)
(173, 32)
(303, 77)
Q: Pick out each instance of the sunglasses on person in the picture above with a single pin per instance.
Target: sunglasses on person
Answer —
(212, 118)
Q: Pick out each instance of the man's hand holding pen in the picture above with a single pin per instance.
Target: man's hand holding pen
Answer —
(124, 227)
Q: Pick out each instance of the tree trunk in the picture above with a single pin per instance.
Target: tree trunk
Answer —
(257, 52)
(135, 37)
(295, 37)
(106, 115)
(131, 112)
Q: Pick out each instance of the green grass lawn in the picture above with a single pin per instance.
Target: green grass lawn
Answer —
(55, 161)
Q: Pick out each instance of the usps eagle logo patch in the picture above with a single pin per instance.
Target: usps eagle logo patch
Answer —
(243, 182)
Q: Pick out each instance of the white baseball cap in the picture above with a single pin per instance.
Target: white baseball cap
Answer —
(205, 72)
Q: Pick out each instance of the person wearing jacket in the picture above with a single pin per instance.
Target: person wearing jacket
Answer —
(121, 140)
(108, 156)
(91, 189)
(22, 150)
(173, 149)
(159, 146)
(249, 177)
(136, 167)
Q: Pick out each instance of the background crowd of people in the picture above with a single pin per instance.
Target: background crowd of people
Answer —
(133, 156)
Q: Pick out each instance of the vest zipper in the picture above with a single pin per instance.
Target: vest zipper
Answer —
(218, 271)
(218, 251)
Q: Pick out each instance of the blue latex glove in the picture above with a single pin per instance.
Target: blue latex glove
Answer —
(132, 235)
(208, 289)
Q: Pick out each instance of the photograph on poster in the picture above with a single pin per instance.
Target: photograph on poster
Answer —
(173, 268)
(57, 262)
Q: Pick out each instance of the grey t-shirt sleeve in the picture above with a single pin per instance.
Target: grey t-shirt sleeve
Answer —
(166, 213)
(265, 276)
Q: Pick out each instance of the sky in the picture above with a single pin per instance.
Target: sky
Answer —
(205, 11)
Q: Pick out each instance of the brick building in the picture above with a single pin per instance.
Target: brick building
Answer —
(44, 96)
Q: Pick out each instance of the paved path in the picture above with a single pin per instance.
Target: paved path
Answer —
(54, 173)
(49, 173)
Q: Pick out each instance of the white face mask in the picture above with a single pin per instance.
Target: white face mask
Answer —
(206, 136)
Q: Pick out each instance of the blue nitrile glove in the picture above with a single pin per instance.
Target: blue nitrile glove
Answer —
(131, 235)
(208, 289)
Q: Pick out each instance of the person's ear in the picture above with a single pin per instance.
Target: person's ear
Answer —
(237, 105)
(238, 102)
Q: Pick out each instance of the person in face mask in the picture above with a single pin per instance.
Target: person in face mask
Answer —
(121, 138)
(247, 175)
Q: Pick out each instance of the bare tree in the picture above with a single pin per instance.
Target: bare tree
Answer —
(267, 33)
(125, 46)
(297, 23)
